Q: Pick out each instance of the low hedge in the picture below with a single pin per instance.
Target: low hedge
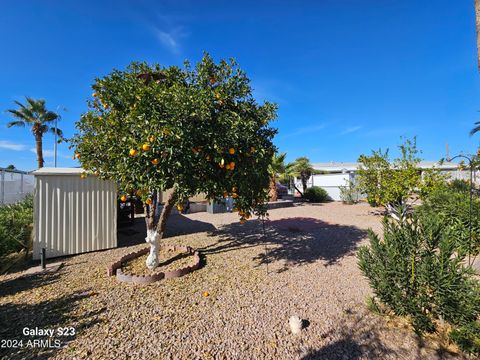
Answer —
(316, 194)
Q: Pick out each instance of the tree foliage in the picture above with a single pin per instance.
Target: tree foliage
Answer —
(303, 169)
(34, 113)
(392, 182)
(194, 129)
(416, 271)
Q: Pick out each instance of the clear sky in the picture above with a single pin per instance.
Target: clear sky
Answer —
(348, 76)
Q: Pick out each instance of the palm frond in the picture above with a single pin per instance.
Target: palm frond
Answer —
(56, 131)
(18, 123)
(475, 129)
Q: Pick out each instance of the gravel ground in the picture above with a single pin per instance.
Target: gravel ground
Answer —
(305, 266)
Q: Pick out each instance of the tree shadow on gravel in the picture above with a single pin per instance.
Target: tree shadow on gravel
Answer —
(27, 282)
(355, 338)
(295, 241)
(361, 336)
(177, 224)
(48, 314)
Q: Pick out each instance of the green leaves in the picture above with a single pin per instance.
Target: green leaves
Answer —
(189, 118)
(416, 271)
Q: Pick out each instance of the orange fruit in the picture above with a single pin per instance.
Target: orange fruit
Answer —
(151, 138)
(146, 147)
(179, 207)
(77, 156)
(123, 198)
(97, 173)
(148, 201)
(133, 152)
(94, 94)
(225, 194)
(139, 192)
(166, 131)
(228, 167)
(217, 95)
(205, 294)
(232, 165)
(212, 81)
(83, 175)
(231, 151)
(234, 195)
(234, 189)
(155, 161)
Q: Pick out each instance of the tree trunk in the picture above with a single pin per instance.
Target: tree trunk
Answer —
(273, 189)
(155, 233)
(304, 184)
(477, 18)
(39, 147)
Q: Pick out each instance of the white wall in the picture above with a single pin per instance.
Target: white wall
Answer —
(73, 215)
(330, 182)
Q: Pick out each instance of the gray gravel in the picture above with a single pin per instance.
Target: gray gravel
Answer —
(305, 266)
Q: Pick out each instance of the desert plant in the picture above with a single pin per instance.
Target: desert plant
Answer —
(416, 272)
(16, 226)
(452, 207)
(316, 194)
(349, 193)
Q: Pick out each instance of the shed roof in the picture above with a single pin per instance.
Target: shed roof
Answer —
(58, 171)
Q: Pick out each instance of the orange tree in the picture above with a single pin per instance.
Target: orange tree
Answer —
(191, 129)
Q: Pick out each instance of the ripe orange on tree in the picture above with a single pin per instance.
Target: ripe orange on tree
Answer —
(146, 147)
(133, 152)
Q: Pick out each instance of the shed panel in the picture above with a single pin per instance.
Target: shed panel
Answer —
(73, 215)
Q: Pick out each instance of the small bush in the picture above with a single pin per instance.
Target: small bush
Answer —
(349, 193)
(16, 226)
(315, 194)
(415, 271)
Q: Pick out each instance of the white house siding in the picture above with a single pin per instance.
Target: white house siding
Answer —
(73, 215)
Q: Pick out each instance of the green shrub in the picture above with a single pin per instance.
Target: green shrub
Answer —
(315, 194)
(453, 208)
(459, 185)
(16, 226)
(467, 337)
(349, 193)
(415, 271)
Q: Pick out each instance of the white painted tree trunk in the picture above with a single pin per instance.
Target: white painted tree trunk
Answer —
(154, 241)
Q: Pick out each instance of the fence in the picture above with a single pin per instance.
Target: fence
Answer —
(14, 185)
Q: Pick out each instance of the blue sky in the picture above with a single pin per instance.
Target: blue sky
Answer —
(348, 76)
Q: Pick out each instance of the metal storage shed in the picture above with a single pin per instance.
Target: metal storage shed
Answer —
(73, 215)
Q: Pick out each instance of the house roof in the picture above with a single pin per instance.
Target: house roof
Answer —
(353, 166)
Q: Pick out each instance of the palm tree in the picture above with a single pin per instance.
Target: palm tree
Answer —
(277, 167)
(35, 114)
(303, 169)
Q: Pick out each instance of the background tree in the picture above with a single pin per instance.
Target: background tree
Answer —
(35, 114)
(303, 169)
(193, 130)
(388, 182)
(277, 167)
(10, 167)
